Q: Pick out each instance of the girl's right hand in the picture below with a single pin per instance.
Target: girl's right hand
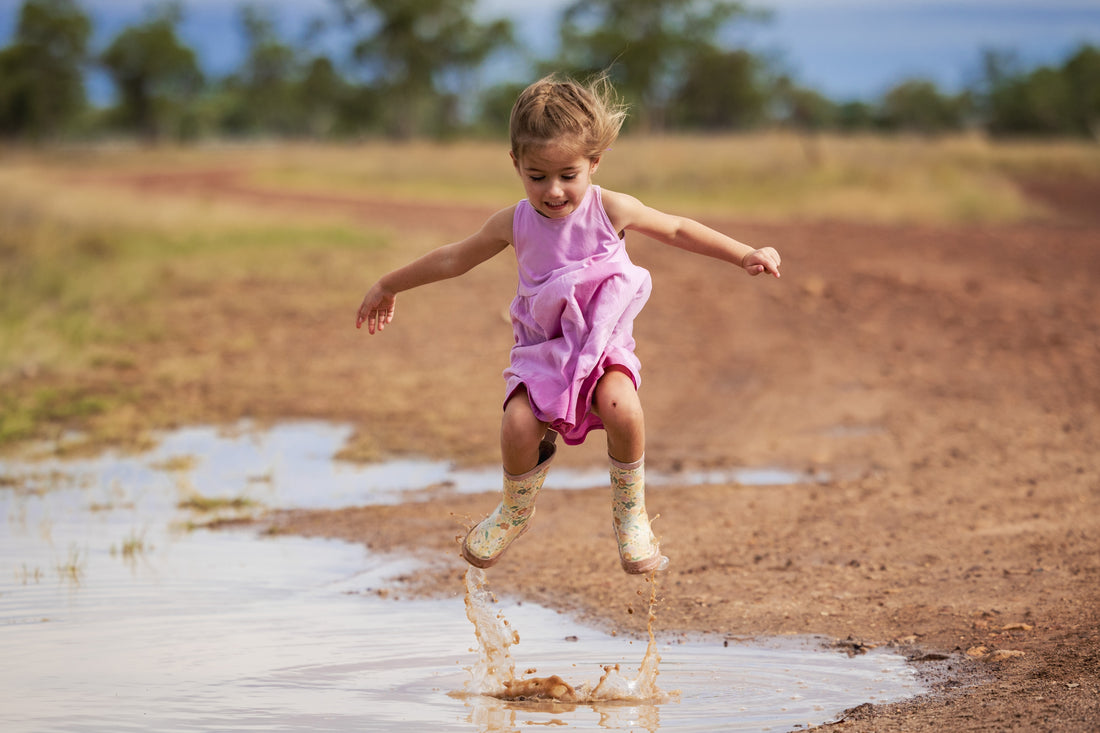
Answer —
(376, 309)
(765, 259)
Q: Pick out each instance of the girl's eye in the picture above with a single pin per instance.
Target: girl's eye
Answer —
(536, 178)
(569, 176)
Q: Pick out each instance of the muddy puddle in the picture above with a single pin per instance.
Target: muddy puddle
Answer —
(119, 611)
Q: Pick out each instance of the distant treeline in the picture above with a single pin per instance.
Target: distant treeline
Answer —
(414, 68)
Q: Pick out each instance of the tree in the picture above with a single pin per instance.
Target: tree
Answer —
(720, 91)
(645, 45)
(1082, 74)
(496, 108)
(855, 115)
(1043, 101)
(262, 91)
(41, 83)
(803, 109)
(156, 75)
(416, 53)
(327, 100)
(916, 105)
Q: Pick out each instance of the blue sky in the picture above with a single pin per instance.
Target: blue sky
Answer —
(843, 48)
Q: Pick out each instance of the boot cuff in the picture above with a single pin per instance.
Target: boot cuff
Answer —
(628, 466)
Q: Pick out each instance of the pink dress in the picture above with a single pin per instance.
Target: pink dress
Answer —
(573, 314)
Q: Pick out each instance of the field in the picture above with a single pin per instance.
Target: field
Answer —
(929, 358)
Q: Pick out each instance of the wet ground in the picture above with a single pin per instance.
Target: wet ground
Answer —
(119, 610)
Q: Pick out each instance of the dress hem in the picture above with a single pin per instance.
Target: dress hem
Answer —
(573, 433)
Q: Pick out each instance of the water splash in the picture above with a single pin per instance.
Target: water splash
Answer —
(494, 672)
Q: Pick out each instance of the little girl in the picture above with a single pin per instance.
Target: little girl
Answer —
(573, 367)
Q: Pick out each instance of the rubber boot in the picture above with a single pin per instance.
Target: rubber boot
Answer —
(487, 541)
(639, 551)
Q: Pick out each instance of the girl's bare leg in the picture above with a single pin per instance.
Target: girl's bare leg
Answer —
(520, 434)
(525, 469)
(617, 404)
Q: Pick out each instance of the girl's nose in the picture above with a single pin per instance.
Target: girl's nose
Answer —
(556, 189)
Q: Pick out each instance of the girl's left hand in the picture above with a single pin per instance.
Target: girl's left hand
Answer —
(765, 259)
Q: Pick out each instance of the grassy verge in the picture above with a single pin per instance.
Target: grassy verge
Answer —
(95, 282)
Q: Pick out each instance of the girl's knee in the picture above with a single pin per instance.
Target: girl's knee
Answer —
(521, 429)
(520, 433)
(617, 400)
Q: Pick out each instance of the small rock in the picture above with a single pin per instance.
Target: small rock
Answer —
(1003, 654)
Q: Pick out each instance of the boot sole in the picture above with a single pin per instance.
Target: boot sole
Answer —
(640, 567)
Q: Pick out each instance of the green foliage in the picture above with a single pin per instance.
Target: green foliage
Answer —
(1082, 74)
(645, 46)
(721, 91)
(801, 108)
(155, 74)
(917, 106)
(41, 83)
(1046, 100)
(855, 115)
(262, 92)
(408, 47)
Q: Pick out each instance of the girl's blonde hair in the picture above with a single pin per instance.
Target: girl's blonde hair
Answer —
(583, 117)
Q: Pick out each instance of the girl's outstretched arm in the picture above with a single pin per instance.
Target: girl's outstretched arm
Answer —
(627, 212)
(451, 260)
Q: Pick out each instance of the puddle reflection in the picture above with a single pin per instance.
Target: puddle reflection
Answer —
(291, 465)
(113, 616)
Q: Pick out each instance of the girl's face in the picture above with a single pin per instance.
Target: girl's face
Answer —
(554, 178)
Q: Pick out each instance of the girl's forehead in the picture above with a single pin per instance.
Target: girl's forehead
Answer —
(553, 156)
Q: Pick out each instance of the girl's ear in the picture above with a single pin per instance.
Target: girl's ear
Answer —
(595, 163)
(515, 160)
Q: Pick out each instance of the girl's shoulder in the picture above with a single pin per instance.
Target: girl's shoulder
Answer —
(499, 225)
(621, 208)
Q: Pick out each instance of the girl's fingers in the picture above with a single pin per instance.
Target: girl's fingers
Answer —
(378, 319)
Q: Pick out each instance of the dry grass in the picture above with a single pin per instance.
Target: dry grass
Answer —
(93, 283)
(966, 178)
(860, 178)
(200, 503)
(780, 175)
